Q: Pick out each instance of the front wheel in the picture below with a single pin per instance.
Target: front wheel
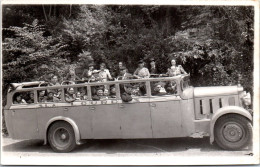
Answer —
(233, 132)
(61, 137)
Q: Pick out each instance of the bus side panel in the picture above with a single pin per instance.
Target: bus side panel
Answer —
(166, 119)
(8, 122)
(188, 117)
(135, 120)
(82, 115)
(44, 115)
(106, 121)
(25, 125)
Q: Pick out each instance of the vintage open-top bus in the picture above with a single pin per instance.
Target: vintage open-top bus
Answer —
(168, 107)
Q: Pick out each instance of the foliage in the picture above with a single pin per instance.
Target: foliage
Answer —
(31, 56)
(213, 43)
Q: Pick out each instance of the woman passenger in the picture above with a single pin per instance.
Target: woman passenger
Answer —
(42, 98)
(175, 70)
(70, 95)
(19, 100)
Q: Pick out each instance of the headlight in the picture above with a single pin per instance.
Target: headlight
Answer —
(246, 98)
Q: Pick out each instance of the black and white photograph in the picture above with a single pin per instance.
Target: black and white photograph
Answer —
(130, 83)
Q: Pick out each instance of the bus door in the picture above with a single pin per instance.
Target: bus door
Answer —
(165, 110)
(135, 114)
(24, 118)
(105, 113)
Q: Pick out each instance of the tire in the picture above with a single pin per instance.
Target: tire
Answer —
(61, 137)
(233, 132)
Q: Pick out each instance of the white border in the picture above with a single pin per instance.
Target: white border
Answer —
(148, 159)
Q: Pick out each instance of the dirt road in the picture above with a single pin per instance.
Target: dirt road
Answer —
(108, 152)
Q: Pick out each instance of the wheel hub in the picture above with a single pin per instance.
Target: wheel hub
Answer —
(61, 137)
(232, 132)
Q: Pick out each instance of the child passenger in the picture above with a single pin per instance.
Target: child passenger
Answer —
(70, 96)
(51, 97)
(31, 96)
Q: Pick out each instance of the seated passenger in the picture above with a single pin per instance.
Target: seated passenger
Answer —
(78, 96)
(70, 95)
(141, 71)
(171, 87)
(51, 98)
(126, 95)
(158, 89)
(105, 94)
(113, 92)
(19, 100)
(42, 98)
(83, 94)
(100, 92)
(31, 98)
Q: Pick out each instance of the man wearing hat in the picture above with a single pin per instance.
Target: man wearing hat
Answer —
(124, 74)
(153, 69)
(141, 71)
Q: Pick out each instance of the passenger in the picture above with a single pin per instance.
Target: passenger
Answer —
(141, 71)
(113, 92)
(105, 94)
(87, 73)
(71, 75)
(159, 89)
(124, 74)
(100, 92)
(104, 73)
(51, 98)
(83, 94)
(54, 82)
(175, 70)
(19, 100)
(42, 98)
(119, 68)
(70, 95)
(126, 95)
(78, 96)
(95, 76)
(153, 68)
(31, 96)
(171, 87)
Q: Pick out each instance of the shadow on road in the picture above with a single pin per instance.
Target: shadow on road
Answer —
(123, 146)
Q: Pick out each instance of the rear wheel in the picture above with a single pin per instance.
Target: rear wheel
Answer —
(233, 132)
(61, 137)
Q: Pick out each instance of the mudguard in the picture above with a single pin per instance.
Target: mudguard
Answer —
(70, 121)
(227, 110)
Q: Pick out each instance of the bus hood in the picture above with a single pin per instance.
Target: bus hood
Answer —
(216, 91)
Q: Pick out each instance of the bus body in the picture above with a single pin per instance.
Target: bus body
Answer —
(190, 112)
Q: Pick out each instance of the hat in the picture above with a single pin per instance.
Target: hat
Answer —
(122, 68)
(152, 59)
(91, 64)
(95, 71)
(140, 61)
